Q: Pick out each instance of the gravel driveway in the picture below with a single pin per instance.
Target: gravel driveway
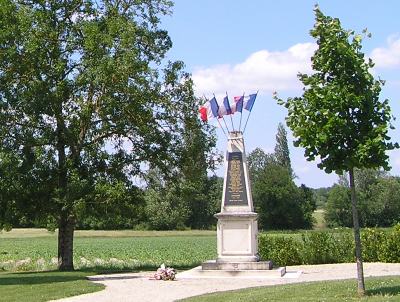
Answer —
(139, 287)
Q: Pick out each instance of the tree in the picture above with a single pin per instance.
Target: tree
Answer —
(339, 117)
(379, 201)
(279, 203)
(338, 207)
(84, 100)
(282, 154)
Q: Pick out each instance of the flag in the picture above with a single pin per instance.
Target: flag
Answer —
(209, 110)
(249, 101)
(214, 107)
(238, 106)
(225, 107)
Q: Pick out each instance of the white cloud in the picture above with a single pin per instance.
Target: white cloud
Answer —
(262, 70)
(387, 57)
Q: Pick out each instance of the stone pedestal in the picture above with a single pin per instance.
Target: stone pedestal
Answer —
(237, 237)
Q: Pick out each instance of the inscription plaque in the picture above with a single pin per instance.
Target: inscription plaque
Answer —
(235, 190)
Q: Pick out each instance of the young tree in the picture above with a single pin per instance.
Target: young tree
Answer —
(339, 117)
(83, 100)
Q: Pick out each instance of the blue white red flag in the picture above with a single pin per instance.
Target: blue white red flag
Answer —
(209, 110)
(225, 107)
(238, 106)
(249, 101)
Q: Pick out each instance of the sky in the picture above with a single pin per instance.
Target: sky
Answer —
(260, 45)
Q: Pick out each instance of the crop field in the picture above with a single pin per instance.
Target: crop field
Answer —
(37, 250)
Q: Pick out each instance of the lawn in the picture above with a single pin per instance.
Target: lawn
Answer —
(44, 286)
(378, 289)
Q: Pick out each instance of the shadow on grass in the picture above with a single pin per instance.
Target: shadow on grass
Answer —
(99, 270)
(384, 291)
(31, 278)
(48, 277)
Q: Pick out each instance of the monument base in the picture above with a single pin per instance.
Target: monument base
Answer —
(198, 272)
(233, 266)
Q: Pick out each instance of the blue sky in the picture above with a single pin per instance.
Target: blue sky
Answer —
(245, 46)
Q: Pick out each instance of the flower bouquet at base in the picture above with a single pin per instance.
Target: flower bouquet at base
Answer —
(165, 273)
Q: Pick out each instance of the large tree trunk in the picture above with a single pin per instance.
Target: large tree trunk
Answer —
(357, 239)
(66, 228)
(66, 224)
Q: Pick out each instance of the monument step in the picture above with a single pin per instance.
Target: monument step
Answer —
(234, 266)
(198, 272)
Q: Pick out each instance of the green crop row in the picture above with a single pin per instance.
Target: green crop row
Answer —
(108, 253)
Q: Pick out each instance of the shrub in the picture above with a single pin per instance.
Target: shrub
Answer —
(331, 247)
(372, 241)
(281, 250)
(344, 247)
(390, 249)
(318, 248)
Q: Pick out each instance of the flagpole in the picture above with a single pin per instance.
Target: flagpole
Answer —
(233, 127)
(249, 116)
(227, 129)
(241, 113)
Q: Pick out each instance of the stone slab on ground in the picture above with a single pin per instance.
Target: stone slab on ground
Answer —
(198, 272)
(138, 286)
(233, 266)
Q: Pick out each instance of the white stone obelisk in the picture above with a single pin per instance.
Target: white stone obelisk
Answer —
(237, 222)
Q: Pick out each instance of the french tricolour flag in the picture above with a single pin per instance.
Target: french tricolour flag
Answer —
(209, 110)
(225, 107)
(246, 102)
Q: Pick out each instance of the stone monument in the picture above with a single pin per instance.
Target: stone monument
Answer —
(237, 222)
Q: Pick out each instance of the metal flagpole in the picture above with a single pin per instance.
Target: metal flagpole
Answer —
(222, 128)
(241, 114)
(249, 115)
(233, 127)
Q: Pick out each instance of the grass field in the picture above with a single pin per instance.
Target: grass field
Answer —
(320, 223)
(378, 289)
(33, 249)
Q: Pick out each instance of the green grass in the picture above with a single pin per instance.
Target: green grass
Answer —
(44, 286)
(107, 250)
(378, 289)
(320, 223)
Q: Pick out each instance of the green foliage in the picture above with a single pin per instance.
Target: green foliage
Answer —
(389, 251)
(321, 196)
(378, 205)
(372, 244)
(338, 207)
(317, 247)
(311, 248)
(281, 151)
(278, 201)
(324, 247)
(165, 210)
(281, 250)
(340, 117)
(86, 101)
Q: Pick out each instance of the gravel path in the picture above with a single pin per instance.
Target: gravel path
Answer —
(138, 286)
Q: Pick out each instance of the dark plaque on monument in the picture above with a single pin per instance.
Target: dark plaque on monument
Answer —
(235, 190)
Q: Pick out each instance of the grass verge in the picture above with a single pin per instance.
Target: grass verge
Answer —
(44, 286)
(378, 289)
